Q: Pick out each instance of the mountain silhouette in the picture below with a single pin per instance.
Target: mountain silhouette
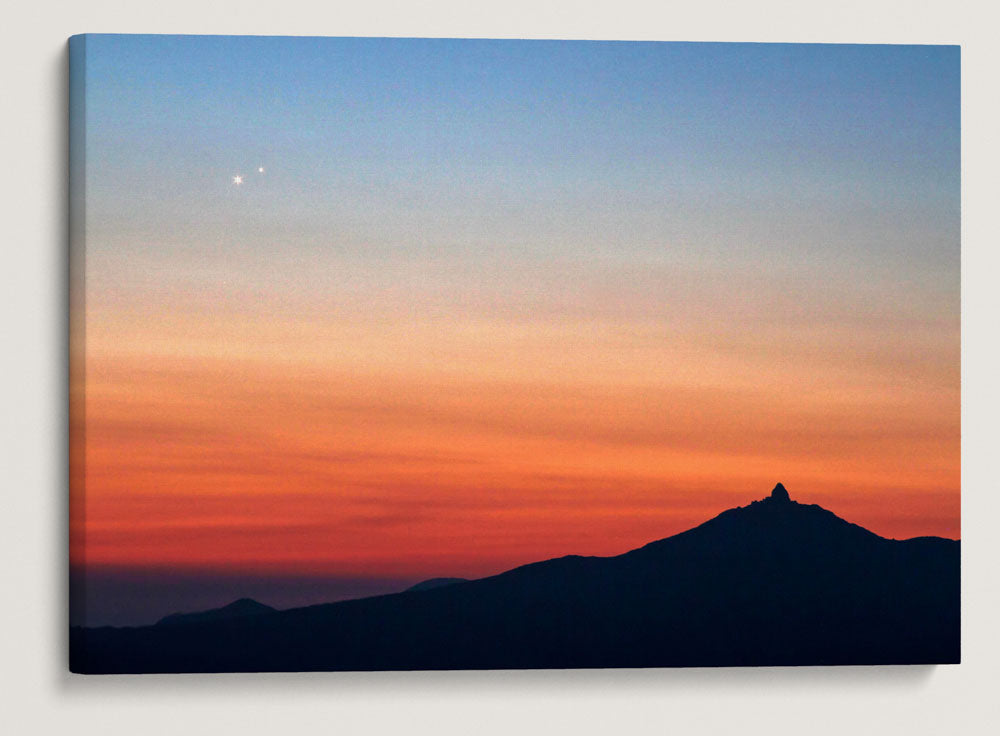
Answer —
(236, 609)
(772, 583)
(435, 583)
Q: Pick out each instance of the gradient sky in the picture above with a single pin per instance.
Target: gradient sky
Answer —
(497, 301)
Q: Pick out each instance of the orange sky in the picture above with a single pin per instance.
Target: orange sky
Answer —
(404, 443)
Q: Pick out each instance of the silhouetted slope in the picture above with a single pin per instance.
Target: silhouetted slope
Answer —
(435, 583)
(772, 583)
(236, 609)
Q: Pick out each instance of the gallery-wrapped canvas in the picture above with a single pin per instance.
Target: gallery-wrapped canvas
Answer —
(404, 354)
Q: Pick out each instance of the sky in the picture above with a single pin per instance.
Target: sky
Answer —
(479, 303)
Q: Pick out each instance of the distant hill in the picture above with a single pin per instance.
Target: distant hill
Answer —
(435, 583)
(236, 609)
(772, 583)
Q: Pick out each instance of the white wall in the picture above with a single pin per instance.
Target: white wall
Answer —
(36, 693)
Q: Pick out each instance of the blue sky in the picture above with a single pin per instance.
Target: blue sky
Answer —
(535, 147)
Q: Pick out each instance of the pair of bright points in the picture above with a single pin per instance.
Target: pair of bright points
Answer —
(238, 179)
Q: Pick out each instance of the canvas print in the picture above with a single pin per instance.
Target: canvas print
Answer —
(421, 354)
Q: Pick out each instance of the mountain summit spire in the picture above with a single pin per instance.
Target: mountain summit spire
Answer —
(780, 494)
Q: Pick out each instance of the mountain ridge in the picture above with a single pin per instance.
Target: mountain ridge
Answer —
(432, 583)
(773, 582)
(236, 609)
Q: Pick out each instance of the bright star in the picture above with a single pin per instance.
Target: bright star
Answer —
(260, 170)
(237, 180)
